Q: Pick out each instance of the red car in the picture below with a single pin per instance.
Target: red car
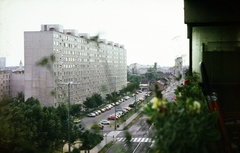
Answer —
(112, 117)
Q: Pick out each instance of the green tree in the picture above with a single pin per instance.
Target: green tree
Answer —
(20, 97)
(131, 87)
(109, 97)
(28, 127)
(5, 100)
(89, 140)
(98, 99)
(75, 110)
(134, 78)
(89, 103)
(151, 74)
(24, 120)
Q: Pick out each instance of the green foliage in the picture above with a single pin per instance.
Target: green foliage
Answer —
(190, 89)
(5, 100)
(28, 127)
(128, 137)
(89, 103)
(90, 140)
(98, 99)
(47, 61)
(179, 77)
(75, 110)
(151, 74)
(185, 125)
(20, 97)
(136, 79)
(131, 87)
(94, 101)
(109, 97)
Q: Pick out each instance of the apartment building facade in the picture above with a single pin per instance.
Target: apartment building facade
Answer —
(91, 66)
(4, 84)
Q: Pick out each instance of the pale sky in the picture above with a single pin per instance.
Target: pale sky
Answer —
(150, 30)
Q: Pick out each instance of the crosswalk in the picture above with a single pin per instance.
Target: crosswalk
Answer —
(136, 139)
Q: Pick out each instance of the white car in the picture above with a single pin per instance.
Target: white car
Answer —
(110, 106)
(105, 122)
(91, 115)
(119, 113)
(126, 98)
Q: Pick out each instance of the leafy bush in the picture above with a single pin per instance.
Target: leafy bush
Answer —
(185, 125)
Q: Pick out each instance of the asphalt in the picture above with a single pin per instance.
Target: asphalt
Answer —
(111, 136)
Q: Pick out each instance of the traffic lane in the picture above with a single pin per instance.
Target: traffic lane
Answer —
(88, 121)
(142, 147)
(141, 140)
(119, 146)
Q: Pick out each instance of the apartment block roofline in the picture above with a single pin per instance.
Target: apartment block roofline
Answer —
(74, 32)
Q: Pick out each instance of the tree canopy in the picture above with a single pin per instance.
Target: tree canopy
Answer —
(151, 74)
(27, 127)
(94, 101)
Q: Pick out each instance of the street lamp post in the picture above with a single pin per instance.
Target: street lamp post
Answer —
(135, 101)
(115, 122)
(115, 90)
(69, 147)
(69, 125)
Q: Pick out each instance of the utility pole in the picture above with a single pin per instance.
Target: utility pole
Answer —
(69, 125)
(135, 101)
(115, 123)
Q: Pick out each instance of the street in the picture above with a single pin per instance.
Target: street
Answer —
(87, 122)
(140, 141)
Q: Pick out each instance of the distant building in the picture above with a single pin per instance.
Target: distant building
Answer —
(178, 66)
(139, 69)
(78, 59)
(2, 62)
(4, 83)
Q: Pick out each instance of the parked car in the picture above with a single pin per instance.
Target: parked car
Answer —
(97, 126)
(128, 108)
(110, 106)
(117, 103)
(121, 100)
(146, 95)
(99, 111)
(76, 121)
(124, 111)
(107, 108)
(112, 117)
(119, 113)
(91, 115)
(103, 109)
(132, 105)
(105, 122)
(126, 97)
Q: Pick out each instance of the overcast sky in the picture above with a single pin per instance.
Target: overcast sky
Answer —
(151, 30)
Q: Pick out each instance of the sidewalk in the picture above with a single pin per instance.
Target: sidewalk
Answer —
(112, 135)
